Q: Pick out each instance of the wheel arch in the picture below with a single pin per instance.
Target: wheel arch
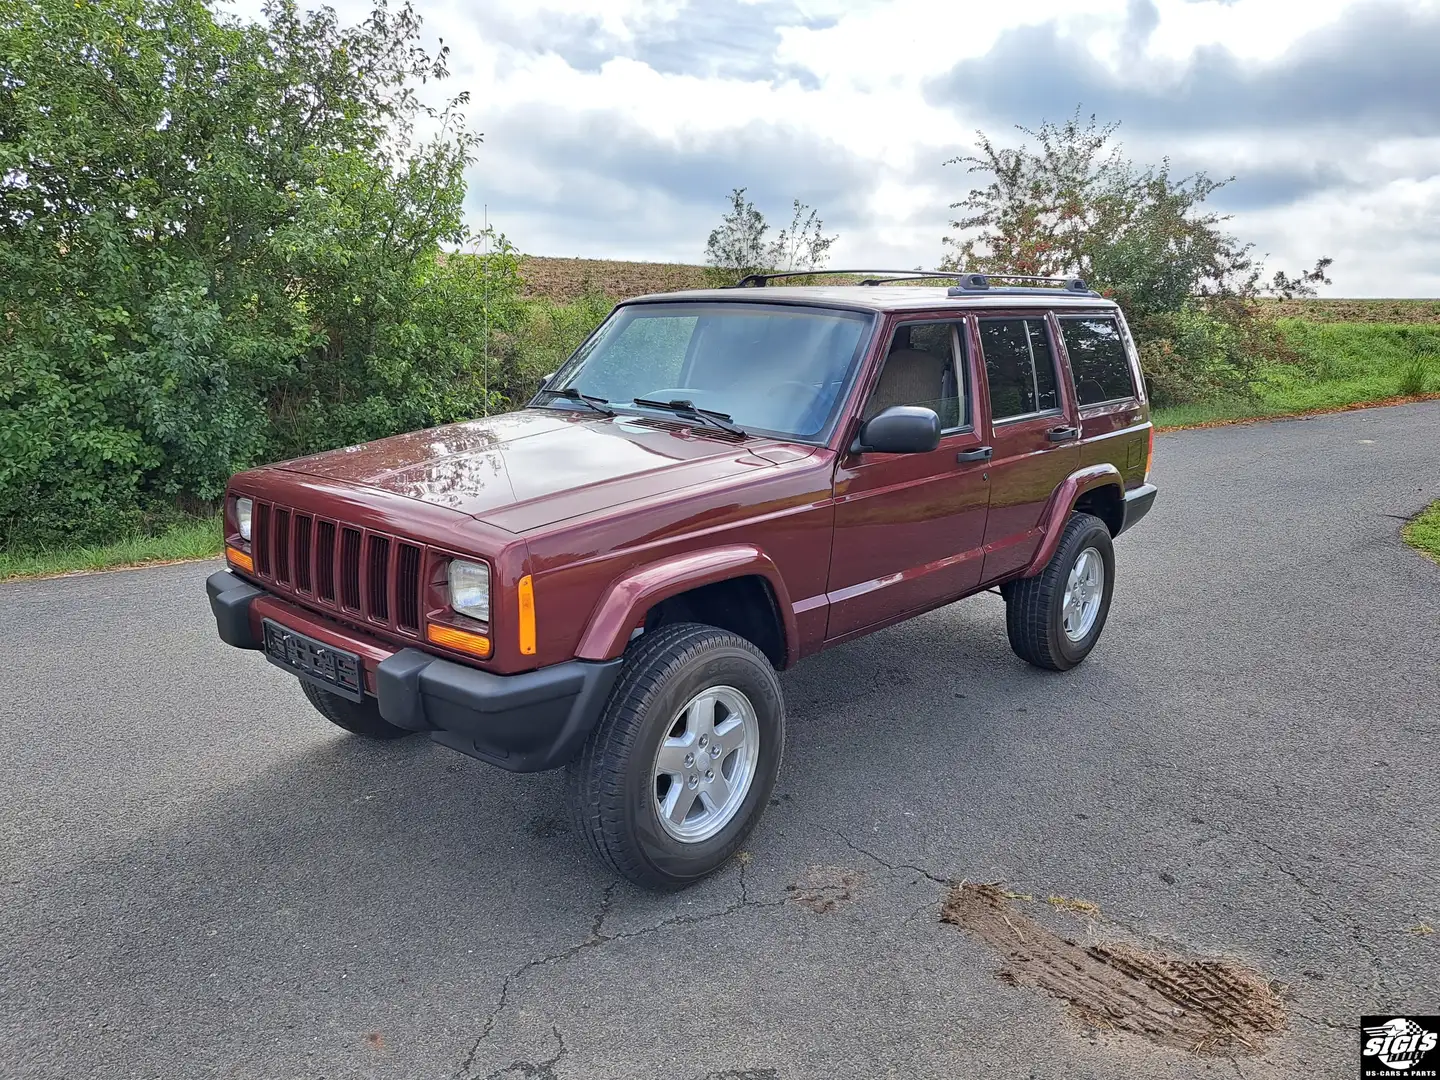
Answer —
(1095, 489)
(737, 588)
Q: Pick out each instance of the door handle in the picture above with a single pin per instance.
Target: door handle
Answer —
(1063, 434)
(983, 453)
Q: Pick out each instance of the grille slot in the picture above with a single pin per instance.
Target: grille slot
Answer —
(350, 569)
(304, 524)
(325, 560)
(282, 545)
(407, 588)
(378, 578)
(261, 538)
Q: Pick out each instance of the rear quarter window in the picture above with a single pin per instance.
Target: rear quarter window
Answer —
(1097, 359)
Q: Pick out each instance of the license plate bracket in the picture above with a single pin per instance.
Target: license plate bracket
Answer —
(324, 665)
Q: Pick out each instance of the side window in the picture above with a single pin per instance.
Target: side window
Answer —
(1020, 367)
(1098, 359)
(921, 368)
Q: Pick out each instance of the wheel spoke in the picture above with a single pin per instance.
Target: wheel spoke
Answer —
(717, 794)
(671, 759)
(730, 735)
(678, 801)
(700, 719)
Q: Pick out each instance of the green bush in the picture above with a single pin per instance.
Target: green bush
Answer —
(219, 244)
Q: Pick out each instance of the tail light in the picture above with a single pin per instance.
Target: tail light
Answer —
(1150, 455)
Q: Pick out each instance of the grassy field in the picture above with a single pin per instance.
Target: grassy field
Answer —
(1423, 533)
(197, 539)
(1342, 365)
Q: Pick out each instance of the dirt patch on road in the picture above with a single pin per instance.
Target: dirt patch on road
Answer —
(1203, 1006)
(822, 889)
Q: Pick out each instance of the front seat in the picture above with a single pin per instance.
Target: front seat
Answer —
(911, 377)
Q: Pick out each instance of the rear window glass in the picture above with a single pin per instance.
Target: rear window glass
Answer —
(1097, 359)
(1019, 367)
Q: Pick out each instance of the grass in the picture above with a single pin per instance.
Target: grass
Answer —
(1423, 533)
(1343, 365)
(195, 539)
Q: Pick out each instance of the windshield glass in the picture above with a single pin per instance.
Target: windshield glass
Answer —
(773, 369)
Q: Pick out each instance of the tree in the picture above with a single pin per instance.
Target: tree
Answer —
(804, 245)
(1067, 202)
(219, 242)
(737, 246)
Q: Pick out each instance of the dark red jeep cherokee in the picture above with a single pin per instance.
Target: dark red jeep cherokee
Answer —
(715, 486)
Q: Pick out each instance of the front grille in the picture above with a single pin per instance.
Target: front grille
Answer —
(360, 574)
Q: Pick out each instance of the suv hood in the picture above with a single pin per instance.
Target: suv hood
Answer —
(527, 469)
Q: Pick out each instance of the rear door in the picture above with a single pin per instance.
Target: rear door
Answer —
(909, 528)
(1034, 433)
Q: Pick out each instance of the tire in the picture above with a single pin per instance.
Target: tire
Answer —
(1035, 610)
(356, 717)
(615, 786)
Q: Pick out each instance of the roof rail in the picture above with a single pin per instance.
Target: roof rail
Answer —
(965, 283)
(973, 283)
(872, 277)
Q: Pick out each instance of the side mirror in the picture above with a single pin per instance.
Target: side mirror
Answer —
(545, 381)
(900, 429)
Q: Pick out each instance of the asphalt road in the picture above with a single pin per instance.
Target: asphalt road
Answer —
(199, 877)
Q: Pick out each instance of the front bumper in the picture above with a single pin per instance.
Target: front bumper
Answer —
(525, 723)
(1138, 502)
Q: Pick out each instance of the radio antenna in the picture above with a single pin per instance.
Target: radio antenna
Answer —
(485, 307)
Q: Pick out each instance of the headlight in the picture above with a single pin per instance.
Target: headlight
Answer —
(470, 589)
(243, 510)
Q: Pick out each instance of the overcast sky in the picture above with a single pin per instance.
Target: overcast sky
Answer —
(616, 128)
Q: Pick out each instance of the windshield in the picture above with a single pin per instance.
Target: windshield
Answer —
(773, 369)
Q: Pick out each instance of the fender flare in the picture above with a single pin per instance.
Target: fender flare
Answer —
(1063, 502)
(639, 589)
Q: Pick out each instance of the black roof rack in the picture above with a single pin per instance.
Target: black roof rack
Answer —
(965, 283)
(973, 283)
(761, 280)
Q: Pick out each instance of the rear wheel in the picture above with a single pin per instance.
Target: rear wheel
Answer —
(1054, 619)
(357, 717)
(681, 765)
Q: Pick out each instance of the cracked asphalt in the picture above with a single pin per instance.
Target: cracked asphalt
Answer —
(199, 877)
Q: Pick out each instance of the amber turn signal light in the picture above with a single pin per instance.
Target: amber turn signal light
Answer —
(463, 640)
(236, 557)
(526, 589)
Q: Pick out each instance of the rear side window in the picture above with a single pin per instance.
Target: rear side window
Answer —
(1020, 367)
(1097, 359)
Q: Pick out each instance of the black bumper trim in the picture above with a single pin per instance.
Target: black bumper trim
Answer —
(1138, 502)
(525, 723)
(230, 600)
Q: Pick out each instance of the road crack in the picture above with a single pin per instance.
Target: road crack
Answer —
(596, 939)
(938, 880)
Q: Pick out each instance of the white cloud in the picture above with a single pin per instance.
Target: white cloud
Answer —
(615, 128)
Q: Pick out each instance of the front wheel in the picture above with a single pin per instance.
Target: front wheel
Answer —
(357, 717)
(681, 765)
(1054, 619)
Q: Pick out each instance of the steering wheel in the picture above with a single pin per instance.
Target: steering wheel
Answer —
(810, 394)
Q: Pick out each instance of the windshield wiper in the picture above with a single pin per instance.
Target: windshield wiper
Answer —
(570, 393)
(686, 409)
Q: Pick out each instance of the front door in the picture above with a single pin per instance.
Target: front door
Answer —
(1034, 433)
(909, 528)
